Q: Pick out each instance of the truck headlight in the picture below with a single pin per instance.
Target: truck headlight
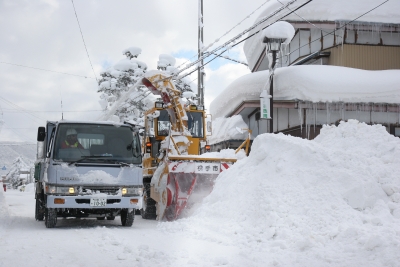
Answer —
(65, 190)
(131, 191)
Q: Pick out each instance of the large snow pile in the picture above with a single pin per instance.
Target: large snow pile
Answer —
(331, 201)
(4, 213)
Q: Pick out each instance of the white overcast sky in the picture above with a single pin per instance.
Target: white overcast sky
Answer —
(44, 34)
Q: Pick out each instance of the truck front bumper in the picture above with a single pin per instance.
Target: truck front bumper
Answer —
(83, 202)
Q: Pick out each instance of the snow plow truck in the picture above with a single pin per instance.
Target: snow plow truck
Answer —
(175, 174)
(88, 169)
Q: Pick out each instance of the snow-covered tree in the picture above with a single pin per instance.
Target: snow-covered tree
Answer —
(119, 79)
(14, 173)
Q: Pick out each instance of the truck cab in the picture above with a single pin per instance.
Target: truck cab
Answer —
(98, 175)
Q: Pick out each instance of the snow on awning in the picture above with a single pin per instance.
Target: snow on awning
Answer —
(312, 83)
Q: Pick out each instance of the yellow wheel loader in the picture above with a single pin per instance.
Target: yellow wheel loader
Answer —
(176, 175)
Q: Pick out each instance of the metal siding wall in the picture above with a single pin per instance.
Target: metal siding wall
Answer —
(283, 119)
(365, 57)
(294, 48)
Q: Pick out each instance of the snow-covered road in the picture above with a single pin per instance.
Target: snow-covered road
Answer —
(89, 242)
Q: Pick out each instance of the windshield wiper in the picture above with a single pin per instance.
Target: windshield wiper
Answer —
(117, 162)
(89, 157)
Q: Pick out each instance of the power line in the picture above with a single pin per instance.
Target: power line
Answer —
(231, 59)
(276, 12)
(339, 27)
(76, 15)
(248, 16)
(19, 133)
(239, 36)
(45, 70)
(48, 111)
(18, 107)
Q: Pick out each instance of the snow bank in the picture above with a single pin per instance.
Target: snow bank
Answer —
(225, 129)
(4, 213)
(331, 201)
(225, 153)
(312, 83)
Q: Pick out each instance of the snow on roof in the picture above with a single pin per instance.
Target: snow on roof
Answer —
(225, 129)
(328, 10)
(312, 83)
(338, 11)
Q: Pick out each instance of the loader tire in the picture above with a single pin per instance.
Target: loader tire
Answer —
(50, 217)
(39, 210)
(127, 217)
(148, 210)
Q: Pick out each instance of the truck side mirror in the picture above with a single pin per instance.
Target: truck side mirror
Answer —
(41, 134)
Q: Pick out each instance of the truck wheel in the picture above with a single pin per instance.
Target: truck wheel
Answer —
(127, 217)
(50, 217)
(39, 211)
(148, 210)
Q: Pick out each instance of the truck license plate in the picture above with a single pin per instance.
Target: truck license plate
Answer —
(98, 202)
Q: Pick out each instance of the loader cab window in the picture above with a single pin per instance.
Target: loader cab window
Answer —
(195, 124)
(163, 123)
(97, 143)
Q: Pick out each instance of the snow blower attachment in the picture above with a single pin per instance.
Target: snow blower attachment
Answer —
(177, 176)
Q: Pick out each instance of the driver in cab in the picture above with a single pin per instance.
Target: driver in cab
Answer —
(71, 140)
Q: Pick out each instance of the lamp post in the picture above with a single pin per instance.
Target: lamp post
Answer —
(273, 46)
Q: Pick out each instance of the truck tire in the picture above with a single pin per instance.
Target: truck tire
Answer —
(148, 210)
(39, 210)
(127, 217)
(50, 217)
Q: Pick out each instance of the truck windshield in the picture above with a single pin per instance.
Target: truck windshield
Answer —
(96, 143)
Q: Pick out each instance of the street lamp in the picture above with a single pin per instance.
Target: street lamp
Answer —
(273, 46)
(281, 32)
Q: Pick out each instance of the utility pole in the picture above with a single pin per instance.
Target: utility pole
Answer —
(200, 70)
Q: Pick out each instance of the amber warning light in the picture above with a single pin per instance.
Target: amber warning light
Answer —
(148, 147)
(208, 148)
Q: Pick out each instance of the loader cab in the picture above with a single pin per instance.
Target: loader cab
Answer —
(157, 125)
(195, 123)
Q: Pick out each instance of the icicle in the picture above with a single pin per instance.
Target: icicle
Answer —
(316, 116)
(300, 117)
(328, 114)
(398, 113)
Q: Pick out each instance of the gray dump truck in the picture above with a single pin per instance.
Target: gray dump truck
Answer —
(88, 169)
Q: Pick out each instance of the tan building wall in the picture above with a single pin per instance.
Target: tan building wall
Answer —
(365, 57)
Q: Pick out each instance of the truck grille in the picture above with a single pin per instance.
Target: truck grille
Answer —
(98, 189)
(87, 201)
